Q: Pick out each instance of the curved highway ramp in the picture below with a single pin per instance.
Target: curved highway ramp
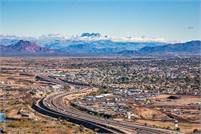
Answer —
(52, 106)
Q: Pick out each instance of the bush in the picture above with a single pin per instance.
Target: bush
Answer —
(195, 131)
(81, 128)
(66, 87)
(178, 129)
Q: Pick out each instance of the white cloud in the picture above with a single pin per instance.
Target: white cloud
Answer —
(138, 39)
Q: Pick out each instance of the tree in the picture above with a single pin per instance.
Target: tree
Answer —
(178, 129)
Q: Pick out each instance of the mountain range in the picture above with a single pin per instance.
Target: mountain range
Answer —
(187, 48)
(92, 44)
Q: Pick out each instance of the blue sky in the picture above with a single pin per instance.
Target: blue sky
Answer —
(169, 19)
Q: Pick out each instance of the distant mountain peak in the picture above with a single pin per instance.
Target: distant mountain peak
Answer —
(26, 46)
(23, 42)
(90, 35)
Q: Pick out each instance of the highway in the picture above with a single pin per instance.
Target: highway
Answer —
(54, 106)
(45, 108)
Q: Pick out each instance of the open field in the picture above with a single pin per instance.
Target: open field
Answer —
(185, 127)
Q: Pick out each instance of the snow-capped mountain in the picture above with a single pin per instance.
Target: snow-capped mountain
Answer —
(96, 41)
(86, 43)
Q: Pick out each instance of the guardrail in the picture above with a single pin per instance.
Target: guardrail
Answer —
(88, 124)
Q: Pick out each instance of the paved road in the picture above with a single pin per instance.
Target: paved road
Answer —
(53, 105)
(41, 106)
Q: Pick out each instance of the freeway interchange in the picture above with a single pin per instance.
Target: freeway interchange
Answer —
(53, 106)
